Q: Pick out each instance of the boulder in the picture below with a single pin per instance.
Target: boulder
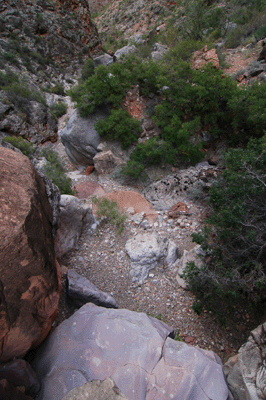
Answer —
(81, 139)
(74, 216)
(105, 59)
(245, 372)
(178, 209)
(205, 56)
(131, 348)
(102, 390)
(188, 256)
(158, 51)
(146, 251)
(106, 162)
(19, 373)
(82, 291)
(166, 192)
(29, 274)
(124, 51)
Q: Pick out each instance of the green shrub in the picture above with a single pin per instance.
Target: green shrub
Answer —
(119, 125)
(234, 239)
(58, 109)
(110, 210)
(25, 147)
(55, 171)
(87, 69)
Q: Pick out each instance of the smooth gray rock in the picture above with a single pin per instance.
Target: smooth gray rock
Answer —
(81, 139)
(246, 372)
(74, 216)
(146, 251)
(96, 390)
(124, 51)
(134, 350)
(105, 59)
(82, 291)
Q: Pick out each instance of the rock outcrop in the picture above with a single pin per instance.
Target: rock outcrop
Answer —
(146, 251)
(81, 139)
(81, 291)
(131, 348)
(73, 217)
(105, 162)
(29, 282)
(245, 372)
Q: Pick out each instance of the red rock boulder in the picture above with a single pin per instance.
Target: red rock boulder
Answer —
(29, 277)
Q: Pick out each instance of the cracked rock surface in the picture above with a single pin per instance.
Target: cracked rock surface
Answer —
(135, 350)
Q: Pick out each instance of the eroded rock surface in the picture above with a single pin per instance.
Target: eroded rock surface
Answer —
(245, 372)
(134, 350)
(145, 251)
(29, 285)
(73, 217)
(81, 139)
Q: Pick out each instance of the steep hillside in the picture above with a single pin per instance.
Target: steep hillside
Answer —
(43, 44)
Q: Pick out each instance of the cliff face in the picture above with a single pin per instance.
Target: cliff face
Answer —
(45, 31)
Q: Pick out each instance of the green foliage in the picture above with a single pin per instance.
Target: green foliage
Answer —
(25, 147)
(54, 170)
(235, 267)
(110, 210)
(119, 125)
(58, 109)
(87, 69)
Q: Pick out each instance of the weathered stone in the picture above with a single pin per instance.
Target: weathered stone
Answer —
(146, 251)
(158, 51)
(163, 194)
(29, 282)
(106, 162)
(82, 291)
(178, 209)
(134, 350)
(245, 373)
(205, 56)
(20, 373)
(74, 216)
(53, 194)
(105, 59)
(188, 256)
(102, 390)
(124, 51)
(81, 139)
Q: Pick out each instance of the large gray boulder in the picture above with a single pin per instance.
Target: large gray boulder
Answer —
(124, 51)
(245, 372)
(82, 291)
(73, 217)
(131, 348)
(104, 59)
(81, 139)
(146, 251)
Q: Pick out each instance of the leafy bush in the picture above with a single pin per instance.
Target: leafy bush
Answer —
(110, 210)
(59, 109)
(234, 238)
(121, 126)
(87, 69)
(25, 147)
(55, 171)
